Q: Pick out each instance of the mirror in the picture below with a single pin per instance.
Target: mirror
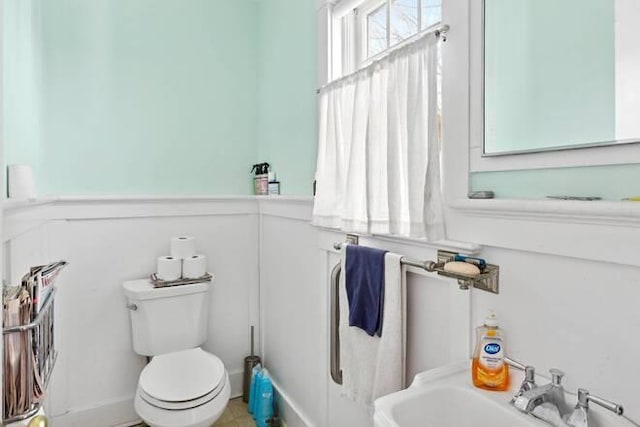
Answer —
(560, 74)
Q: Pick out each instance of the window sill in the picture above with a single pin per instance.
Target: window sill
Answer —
(595, 212)
(597, 231)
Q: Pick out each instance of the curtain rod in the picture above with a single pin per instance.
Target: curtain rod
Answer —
(440, 32)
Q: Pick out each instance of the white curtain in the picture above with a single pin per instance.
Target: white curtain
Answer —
(378, 169)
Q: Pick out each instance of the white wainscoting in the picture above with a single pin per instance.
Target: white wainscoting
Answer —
(108, 241)
(296, 259)
(558, 310)
(569, 311)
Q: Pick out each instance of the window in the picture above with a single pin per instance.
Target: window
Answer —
(404, 20)
(365, 33)
(377, 31)
(386, 23)
(378, 169)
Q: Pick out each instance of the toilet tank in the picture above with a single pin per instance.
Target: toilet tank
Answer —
(164, 320)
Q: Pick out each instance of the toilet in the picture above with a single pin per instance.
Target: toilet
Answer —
(182, 385)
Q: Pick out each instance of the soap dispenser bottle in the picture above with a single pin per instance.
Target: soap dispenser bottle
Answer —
(261, 179)
(489, 370)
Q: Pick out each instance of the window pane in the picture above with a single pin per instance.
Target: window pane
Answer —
(431, 12)
(404, 19)
(377, 31)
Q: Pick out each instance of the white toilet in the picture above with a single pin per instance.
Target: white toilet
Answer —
(183, 385)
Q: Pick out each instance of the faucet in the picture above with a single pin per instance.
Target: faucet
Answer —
(527, 400)
(530, 396)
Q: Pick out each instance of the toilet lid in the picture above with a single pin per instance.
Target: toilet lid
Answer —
(188, 404)
(182, 376)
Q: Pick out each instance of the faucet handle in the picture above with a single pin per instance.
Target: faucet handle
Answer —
(529, 371)
(529, 382)
(556, 376)
(514, 363)
(584, 397)
(530, 375)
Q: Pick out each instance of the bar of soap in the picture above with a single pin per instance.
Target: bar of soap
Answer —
(459, 267)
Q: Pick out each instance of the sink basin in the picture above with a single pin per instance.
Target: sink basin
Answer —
(453, 406)
(445, 397)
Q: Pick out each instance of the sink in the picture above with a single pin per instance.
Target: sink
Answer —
(445, 397)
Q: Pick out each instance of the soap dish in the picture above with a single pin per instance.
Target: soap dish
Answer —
(487, 280)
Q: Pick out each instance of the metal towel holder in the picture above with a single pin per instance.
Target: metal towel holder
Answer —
(487, 281)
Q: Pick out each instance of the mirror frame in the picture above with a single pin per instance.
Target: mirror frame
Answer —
(484, 152)
(556, 228)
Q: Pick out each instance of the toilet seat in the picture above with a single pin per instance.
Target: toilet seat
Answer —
(182, 380)
(200, 416)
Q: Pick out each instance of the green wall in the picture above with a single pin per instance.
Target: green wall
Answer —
(550, 81)
(160, 96)
(99, 106)
(550, 73)
(614, 182)
(143, 97)
(287, 119)
(22, 76)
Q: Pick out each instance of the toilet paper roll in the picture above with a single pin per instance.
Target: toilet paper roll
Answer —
(169, 268)
(21, 182)
(183, 247)
(194, 267)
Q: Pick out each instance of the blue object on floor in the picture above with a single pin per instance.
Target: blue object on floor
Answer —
(263, 412)
(364, 281)
(255, 374)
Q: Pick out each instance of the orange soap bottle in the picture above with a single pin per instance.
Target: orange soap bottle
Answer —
(489, 371)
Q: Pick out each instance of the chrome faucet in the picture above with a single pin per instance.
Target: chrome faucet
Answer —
(530, 396)
(550, 393)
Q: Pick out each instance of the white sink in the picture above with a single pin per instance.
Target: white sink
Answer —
(445, 397)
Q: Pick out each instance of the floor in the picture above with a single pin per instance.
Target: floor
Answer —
(235, 415)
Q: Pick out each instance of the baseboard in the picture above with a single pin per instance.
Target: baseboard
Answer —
(235, 378)
(120, 412)
(106, 414)
(291, 415)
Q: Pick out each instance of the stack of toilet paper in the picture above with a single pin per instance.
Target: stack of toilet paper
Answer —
(183, 263)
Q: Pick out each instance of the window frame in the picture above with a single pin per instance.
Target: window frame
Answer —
(362, 17)
(350, 39)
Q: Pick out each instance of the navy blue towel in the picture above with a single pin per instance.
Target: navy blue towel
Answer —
(364, 281)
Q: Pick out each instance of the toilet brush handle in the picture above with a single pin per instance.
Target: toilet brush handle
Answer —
(252, 340)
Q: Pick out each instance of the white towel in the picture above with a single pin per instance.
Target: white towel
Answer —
(375, 366)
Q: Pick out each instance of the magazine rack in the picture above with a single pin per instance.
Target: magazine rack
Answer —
(40, 334)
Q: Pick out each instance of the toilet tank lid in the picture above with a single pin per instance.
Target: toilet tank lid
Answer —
(143, 289)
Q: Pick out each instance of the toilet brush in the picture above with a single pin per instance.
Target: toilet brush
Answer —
(249, 363)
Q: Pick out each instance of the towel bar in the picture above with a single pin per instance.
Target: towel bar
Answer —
(336, 372)
(487, 281)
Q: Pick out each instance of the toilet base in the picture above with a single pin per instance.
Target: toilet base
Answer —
(201, 416)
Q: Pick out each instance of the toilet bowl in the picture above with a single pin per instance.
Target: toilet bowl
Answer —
(183, 385)
(188, 388)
